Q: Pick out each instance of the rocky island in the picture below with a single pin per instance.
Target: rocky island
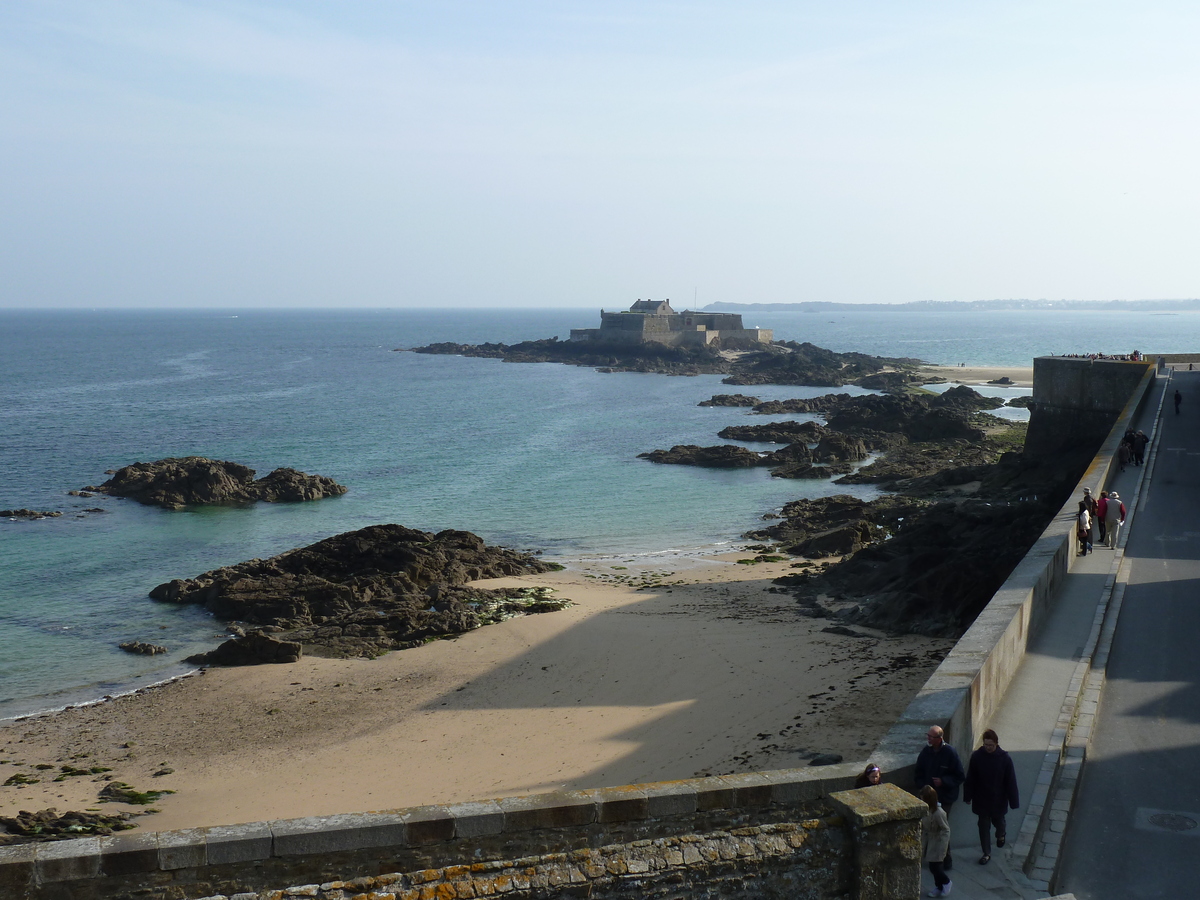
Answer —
(198, 481)
(362, 593)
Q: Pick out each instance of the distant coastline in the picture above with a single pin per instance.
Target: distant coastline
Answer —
(816, 306)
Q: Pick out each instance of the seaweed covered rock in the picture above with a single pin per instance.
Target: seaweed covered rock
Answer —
(198, 481)
(47, 825)
(364, 592)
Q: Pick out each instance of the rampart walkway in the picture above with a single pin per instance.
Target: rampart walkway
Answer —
(1065, 660)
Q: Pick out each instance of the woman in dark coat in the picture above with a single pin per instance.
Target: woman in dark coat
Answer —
(991, 789)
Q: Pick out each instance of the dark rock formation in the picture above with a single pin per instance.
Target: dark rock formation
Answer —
(251, 650)
(800, 469)
(1003, 379)
(725, 456)
(729, 400)
(840, 448)
(818, 405)
(914, 417)
(143, 648)
(365, 592)
(964, 399)
(775, 433)
(27, 514)
(778, 363)
(197, 481)
(1023, 402)
(48, 825)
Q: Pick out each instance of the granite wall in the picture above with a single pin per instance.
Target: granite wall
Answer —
(788, 834)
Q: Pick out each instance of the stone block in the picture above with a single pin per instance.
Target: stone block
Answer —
(331, 834)
(67, 860)
(750, 789)
(239, 843)
(129, 854)
(17, 866)
(555, 810)
(476, 819)
(714, 793)
(871, 806)
(183, 849)
(428, 825)
(670, 798)
(621, 804)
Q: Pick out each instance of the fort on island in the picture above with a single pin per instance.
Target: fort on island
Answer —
(654, 321)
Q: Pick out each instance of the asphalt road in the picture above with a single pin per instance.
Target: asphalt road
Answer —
(1135, 827)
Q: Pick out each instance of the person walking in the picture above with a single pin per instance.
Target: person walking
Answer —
(1178, 400)
(1083, 528)
(939, 767)
(991, 789)
(1114, 518)
(935, 842)
(1101, 506)
(1092, 507)
(1140, 440)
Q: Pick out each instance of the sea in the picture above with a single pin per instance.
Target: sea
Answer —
(541, 457)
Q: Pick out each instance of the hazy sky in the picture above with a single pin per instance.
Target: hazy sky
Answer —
(580, 153)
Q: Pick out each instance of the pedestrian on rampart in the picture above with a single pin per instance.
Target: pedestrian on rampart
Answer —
(939, 767)
(1140, 440)
(1178, 400)
(1124, 454)
(1114, 518)
(1083, 528)
(991, 789)
(935, 840)
(1101, 506)
(870, 777)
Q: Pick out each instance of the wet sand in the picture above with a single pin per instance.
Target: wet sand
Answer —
(663, 669)
(975, 375)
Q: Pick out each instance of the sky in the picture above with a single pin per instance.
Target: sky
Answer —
(588, 154)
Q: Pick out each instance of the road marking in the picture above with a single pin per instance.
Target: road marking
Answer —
(1167, 821)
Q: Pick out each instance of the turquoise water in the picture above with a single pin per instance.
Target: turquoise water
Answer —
(532, 456)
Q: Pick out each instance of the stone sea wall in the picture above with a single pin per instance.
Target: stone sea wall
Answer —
(786, 834)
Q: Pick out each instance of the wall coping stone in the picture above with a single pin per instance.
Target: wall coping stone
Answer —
(865, 807)
(67, 860)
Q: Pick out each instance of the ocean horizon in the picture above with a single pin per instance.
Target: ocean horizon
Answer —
(541, 457)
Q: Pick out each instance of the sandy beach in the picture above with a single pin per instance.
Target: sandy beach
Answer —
(663, 669)
(1021, 376)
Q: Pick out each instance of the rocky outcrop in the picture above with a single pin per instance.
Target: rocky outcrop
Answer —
(28, 514)
(775, 433)
(917, 418)
(729, 400)
(364, 592)
(818, 405)
(47, 825)
(142, 648)
(840, 448)
(725, 456)
(1024, 402)
(251, 650)
(197, 481)
(784, 362)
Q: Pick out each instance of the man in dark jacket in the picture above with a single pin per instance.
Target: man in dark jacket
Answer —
(991, 788)
(938, 765)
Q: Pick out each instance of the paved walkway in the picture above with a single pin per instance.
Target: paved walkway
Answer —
(1030, 714)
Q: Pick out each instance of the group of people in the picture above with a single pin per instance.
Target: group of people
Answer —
(1133, 448)
(989, 784)
(1135, 356)
(1106, 514)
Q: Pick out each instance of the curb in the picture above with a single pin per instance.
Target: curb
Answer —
(1039, 840)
